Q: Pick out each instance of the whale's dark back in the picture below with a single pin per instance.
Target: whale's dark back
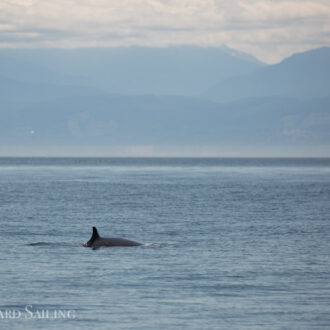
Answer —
(112, 241)
(97, 241)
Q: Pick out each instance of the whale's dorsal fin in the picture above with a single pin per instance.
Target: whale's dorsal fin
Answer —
(95, 234)
(94, 237)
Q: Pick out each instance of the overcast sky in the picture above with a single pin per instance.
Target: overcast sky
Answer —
(267, 29)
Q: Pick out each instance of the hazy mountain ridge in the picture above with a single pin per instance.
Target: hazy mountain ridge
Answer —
(304, 76)
(42, 114)
(131, 70)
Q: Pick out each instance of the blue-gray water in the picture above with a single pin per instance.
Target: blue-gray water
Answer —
(228, 243)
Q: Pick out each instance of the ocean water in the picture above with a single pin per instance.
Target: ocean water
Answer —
(227, 243)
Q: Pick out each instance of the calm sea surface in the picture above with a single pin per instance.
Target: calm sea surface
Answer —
(228, 243)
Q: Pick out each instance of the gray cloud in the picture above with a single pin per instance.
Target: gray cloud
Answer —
(268, 29)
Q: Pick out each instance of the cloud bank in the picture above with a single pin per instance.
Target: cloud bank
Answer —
(268, 29)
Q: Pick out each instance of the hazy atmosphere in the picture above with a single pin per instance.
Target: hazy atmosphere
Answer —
(165, 164)
(162, 78)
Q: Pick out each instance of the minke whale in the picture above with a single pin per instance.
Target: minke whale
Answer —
(96, 241)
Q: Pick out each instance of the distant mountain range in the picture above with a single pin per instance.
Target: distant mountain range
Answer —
(133, 70)
(180, 98)
(303, 76)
